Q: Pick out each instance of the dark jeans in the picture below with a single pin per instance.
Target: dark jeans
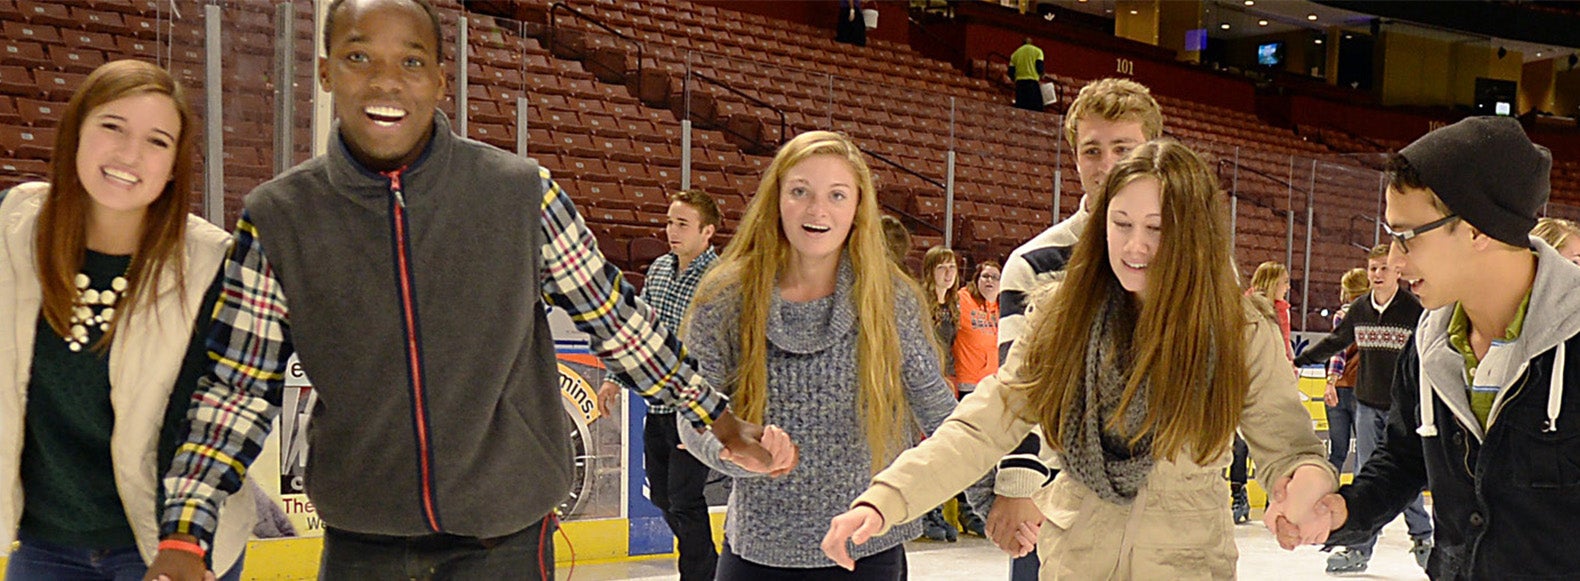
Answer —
(675, 480)
(1341, 427)
(1024, 568)
(886, 566)
(37, 560)
(1371, 433)
(1237, 467)
(526, 555)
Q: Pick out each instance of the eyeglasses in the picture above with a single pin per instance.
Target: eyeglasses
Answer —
(1401, 238)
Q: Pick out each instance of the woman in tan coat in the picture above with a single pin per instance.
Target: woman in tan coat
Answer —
(1139, 368)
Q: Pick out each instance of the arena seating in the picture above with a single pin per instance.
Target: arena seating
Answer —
(608, 125)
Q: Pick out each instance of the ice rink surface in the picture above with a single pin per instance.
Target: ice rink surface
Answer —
(975, 559)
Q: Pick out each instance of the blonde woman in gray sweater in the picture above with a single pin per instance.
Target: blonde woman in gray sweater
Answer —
(810, 327)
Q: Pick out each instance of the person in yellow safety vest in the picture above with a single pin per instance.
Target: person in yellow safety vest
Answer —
(1025, 67)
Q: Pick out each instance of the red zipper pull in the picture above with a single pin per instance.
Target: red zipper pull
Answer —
(395, 187)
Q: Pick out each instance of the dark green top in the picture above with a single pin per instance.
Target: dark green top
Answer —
(68, 478)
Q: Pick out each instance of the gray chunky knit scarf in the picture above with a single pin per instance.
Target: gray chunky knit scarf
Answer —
(1102, 460)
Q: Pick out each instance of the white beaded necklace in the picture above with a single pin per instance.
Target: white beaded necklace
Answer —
(82, 315)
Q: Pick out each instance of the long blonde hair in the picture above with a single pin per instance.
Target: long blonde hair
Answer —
(759, 253)
(1189, 344)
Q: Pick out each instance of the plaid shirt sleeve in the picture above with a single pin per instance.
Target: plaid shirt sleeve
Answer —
(624, 330)
(646, 294)
(235, 404)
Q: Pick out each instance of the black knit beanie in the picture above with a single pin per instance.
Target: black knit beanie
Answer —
(1487, 171)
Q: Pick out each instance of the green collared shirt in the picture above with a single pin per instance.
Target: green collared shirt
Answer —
(1459, 337)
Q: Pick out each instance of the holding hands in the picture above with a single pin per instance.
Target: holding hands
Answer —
(1013, 524)
(1304, 509)
(765, 451)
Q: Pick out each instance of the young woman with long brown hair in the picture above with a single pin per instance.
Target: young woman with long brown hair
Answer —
(940, 280)
(809, 325)
(1139, 368)
(117, 283)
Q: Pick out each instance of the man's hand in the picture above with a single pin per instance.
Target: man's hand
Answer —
(608, 397)
(173, 565)
(1288, 533)
(856, 525)
(765, 451)
(1006, 519)
(1331, 396)
(1301, 512)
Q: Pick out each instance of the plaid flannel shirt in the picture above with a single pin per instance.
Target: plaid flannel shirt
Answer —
(250, 341)
(669, 291)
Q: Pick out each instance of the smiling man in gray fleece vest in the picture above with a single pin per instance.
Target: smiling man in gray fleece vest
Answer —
(408, 268)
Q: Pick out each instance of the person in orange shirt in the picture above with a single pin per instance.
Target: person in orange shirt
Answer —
(976, 339)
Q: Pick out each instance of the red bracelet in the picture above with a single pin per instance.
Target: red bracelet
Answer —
(183, 546)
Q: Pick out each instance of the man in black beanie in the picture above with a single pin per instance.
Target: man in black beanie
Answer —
(1480, 414)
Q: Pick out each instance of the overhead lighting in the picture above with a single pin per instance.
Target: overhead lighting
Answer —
(1132, 12)
(1224, 26)
(1250, 2)
(1318, 41)
(1538, 53)
(1349, 37)
(1311, 17)
(1261, 23)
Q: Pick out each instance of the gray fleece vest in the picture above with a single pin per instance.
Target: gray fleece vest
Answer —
(438, 401)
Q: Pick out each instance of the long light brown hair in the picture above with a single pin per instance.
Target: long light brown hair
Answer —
(1189, 345)
(935, 256)
(63, 219)
(759, 253)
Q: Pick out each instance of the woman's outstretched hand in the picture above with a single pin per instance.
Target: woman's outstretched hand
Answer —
(856, 525)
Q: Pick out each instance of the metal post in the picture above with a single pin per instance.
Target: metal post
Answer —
(1289, 205)
(1058, 195)
(685, 129)
(461, 80)
(1382, 189)
(1058, 177)
(284, 86)
(1234, 197)
(1305, 285)
(949, 199)
(830, 125)
(1234, 218)
(214, 119)
(521, 125)
(684, 153)
(949, 181)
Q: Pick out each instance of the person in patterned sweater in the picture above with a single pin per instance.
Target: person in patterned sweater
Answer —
(1379, 323)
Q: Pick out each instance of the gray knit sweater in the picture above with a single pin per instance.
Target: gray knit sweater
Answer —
(812, 395)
